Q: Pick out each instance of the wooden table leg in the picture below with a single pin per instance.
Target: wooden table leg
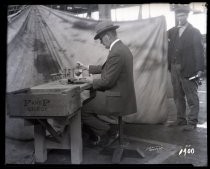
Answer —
(76, 138)
(40, 143)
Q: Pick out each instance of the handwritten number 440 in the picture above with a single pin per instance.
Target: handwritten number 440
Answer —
(187, 150)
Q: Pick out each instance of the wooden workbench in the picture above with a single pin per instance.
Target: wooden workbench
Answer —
(50, 101)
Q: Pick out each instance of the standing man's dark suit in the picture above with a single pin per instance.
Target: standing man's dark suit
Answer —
(185, 60)
(115, 89)
(187, 50)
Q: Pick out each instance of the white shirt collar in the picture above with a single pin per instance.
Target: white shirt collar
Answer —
(113, 44)
(184, 26)
(181, 29)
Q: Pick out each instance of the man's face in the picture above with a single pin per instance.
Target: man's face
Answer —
(181, 18)
(105, 40)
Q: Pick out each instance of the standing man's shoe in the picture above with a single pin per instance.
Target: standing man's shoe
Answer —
(189, 127)
(176, 123)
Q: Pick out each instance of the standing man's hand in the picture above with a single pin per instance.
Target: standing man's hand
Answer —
(200, 73)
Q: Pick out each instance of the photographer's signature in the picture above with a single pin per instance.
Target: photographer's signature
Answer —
(154, 148)
(186, 150)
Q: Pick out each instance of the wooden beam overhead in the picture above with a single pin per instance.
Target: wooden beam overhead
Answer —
(85, 8)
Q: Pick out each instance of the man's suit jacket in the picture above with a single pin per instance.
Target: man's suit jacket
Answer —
(187, 49)
(117, 81)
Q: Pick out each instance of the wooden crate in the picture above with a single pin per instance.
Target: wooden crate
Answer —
(44, 103)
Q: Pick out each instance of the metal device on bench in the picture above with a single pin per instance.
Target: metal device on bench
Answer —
(69, 76)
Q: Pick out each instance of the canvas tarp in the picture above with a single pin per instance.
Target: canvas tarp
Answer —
(146, 39)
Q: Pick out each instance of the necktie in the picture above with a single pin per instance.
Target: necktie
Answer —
(178, 31)
(177, 34)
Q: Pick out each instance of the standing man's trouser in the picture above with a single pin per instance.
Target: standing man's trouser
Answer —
(183, 87)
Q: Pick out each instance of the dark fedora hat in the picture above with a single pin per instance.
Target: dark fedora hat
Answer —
(104, 26)
(182, 9)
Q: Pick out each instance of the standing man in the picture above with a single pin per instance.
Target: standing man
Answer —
(115, 89)
(186, 64)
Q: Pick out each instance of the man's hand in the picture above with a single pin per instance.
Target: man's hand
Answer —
(200, 73)
(79, 65)
(89, 79)
(77, 72)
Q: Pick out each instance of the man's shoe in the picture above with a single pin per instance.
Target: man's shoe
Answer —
(94, 141)
(104, 141)
(99, 140)
(189, 127)
(115, 136)
(112, 139)
(176, 123)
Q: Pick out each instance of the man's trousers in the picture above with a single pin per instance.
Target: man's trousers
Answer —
(90, 110)
(184, 88)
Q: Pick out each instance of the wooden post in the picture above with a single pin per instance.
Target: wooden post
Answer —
(76, 138)
(140, 12)
(104, 11)
(89, 10)
(40, 143)
(115, 13)
(149, 12)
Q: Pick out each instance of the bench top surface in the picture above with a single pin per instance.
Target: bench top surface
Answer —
(58, 85)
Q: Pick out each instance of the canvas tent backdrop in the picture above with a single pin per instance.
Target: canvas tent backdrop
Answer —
(147, 40)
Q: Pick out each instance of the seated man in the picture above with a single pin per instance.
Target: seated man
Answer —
(115, 94)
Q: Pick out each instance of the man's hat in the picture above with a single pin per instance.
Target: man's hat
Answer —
(103, 27)
(182, 9)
